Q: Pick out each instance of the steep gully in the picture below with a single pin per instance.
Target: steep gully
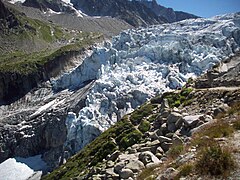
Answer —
(67, 113)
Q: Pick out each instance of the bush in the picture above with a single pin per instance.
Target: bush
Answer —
(176, 99)
(130, 139)
(215, 160)
(144, 126)
(142, 112)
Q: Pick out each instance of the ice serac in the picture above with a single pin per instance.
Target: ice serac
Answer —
(140, 63)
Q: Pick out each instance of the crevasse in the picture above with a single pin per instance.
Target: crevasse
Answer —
(141, 63)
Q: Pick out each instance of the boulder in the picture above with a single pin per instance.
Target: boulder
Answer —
(165, 146)
(110, 164)
(163, 129)
(173, 117)
(159, 150)
(153, 136)
(171, 127)
(110, 174)
(119, 166)
(148, 157)
(135, 165)
(114, 156)
(126, 173)
(164, 139)
(191, 121)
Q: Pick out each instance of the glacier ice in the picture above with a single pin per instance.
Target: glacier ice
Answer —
(141, 63)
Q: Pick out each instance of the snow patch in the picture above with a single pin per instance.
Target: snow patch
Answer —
(22, 168)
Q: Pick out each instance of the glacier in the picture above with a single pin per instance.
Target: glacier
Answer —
(141, 63)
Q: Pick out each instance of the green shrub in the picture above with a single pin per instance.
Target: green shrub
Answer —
(176, 99)
(215, 160)
(144, 126)
(142, 112)
(130, 139)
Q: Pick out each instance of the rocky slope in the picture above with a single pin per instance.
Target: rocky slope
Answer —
(168, 13)
(56, 6)
(133, 12)
(164, 136)
(105, 25)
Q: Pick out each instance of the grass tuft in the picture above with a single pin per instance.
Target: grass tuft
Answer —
(215, 160)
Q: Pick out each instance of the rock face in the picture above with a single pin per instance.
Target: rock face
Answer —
(168, 13)
(56, 6)
(36, 124)
(7, 19)
(223, 74)
(133, 12)
(14, 85)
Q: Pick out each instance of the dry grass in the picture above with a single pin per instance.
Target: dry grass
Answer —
(215, 160)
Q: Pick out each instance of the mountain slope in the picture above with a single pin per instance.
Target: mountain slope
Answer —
(133, 12)
(168, 13)
(56, 6)
(29, 49)
(150, 140)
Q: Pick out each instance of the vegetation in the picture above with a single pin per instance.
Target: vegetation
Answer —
(215, 160)
(176, 99)
(34, 43)
(144, 111)
(175, 151)
(185, 170)
(206, 137)
(146, 173)
(144, 126)
(123, 134)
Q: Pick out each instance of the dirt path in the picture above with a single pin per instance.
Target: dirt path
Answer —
(233, 88)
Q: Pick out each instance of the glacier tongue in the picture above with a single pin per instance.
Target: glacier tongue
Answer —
(141, 63)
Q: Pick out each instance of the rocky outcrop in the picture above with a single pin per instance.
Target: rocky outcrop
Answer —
(7, 19)
(15, 85)
(56, 6)
(168, 13)
(36, 125)
(224, 74)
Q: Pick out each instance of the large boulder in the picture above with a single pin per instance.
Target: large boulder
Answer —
(148, 157)
(173, 117)
(126, 173)
(135, 165)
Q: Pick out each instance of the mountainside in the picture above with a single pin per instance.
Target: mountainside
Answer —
(168, 13)
(133, 12)
(63, 115)
(7, 19)
(136, 13)
(76, 20)
(32, 51)
(56, 6)
(170, 136)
